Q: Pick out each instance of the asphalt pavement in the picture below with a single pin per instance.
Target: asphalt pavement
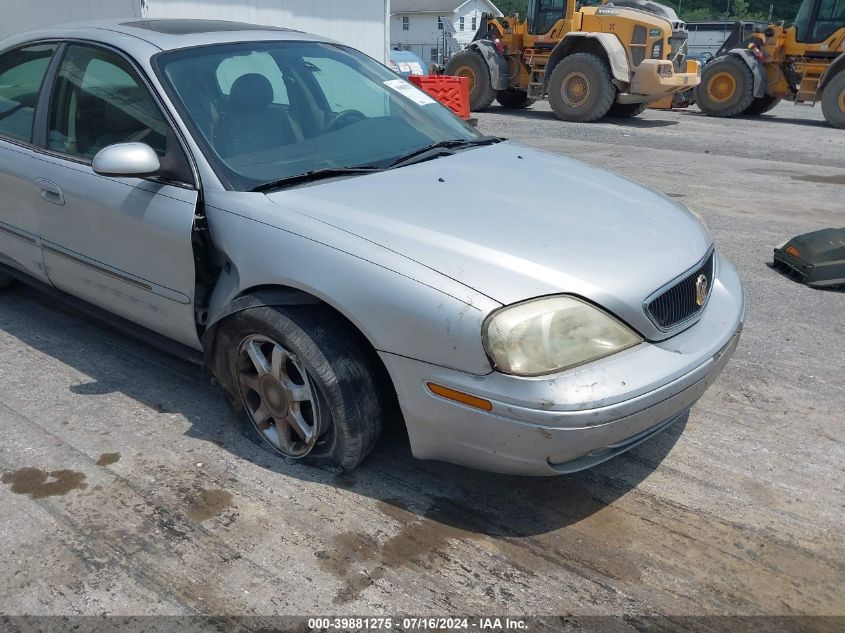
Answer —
(126, 488)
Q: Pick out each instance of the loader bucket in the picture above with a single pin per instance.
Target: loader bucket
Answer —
(816, 259)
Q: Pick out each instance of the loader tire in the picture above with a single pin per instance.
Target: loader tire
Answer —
(472, 65)
(761, 105)
(581, 88)
(726, 88)
(626, 110)
(833, 101)
(514, 99)
(6, 280)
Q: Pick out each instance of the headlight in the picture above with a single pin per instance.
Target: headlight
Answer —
(551, 334)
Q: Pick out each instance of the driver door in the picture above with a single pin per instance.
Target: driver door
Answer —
(122, 244)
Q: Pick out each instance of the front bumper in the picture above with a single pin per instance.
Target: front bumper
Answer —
(648, 82)
(576, 419)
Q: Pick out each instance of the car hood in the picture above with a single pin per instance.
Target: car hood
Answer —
(515, 223)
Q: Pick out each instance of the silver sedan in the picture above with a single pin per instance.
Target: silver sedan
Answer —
(335, 246)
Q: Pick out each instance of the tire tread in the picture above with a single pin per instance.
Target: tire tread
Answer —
(605, 81)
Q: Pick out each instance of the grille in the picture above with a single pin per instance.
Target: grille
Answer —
(664, 70)
(637, 55)
(679, 303)
(639, 35)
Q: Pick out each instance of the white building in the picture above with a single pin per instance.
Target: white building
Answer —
(436, 29)
(361, 24)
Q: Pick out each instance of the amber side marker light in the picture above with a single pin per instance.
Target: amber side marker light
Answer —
(792, 251)
(460, 396)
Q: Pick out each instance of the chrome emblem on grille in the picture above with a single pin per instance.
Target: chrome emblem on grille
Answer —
(701, 290)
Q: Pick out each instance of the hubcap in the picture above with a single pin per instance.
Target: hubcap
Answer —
(842, 100)
(721, 87)
(575, 89)
(278, 396)
(469, 73)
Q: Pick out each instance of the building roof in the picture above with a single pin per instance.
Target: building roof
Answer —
(430, 6)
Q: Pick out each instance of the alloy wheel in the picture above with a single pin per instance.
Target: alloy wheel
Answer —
(278, 396)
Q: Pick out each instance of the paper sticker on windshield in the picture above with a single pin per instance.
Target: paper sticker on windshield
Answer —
(407, 90)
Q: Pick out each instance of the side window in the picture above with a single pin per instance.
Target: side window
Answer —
(233, 68)
(830, 16)
(21, 75)
(548, 13)
(99, 101)
(345, 89)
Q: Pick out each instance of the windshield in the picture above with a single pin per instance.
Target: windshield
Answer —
(265, 111)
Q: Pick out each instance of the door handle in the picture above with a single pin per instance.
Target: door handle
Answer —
(50, 191)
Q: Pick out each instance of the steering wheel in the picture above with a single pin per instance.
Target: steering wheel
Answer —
(342, 119)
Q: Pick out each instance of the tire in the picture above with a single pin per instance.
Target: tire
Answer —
(472, 65)
(626, 110)
(515, 99)
(761, 105)
(833, 101)
(326, 361)
(6, 280)
(726, 88)
(590, 91)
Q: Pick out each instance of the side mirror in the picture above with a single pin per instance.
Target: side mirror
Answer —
(137, 160)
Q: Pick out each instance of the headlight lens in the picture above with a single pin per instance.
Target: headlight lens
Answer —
(552, 334)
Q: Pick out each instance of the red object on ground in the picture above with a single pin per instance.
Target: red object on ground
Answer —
(453, 92)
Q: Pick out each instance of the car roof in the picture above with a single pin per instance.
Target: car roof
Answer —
(166, 34)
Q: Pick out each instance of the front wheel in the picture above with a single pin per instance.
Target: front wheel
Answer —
(833, 101)
(5, 280)
(470, 64)
(581, 88)
(726, 88)
(305, 382)
(761, 105)
(514, 99)
(626, 110)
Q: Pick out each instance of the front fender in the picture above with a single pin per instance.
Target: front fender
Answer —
(495, 62)
(757, 69)
(615, 52)
(398, 305)
(838, 66)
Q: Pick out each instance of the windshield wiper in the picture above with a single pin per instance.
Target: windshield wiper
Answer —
(434, 150)
(316, 174)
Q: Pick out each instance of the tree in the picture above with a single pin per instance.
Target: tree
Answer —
(509, 7)
(702, 14)
(740, 9)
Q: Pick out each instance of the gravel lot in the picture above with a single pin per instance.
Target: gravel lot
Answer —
(158, 506)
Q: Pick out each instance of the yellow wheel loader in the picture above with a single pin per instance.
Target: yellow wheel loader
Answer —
(803, 63)
(589, 62)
